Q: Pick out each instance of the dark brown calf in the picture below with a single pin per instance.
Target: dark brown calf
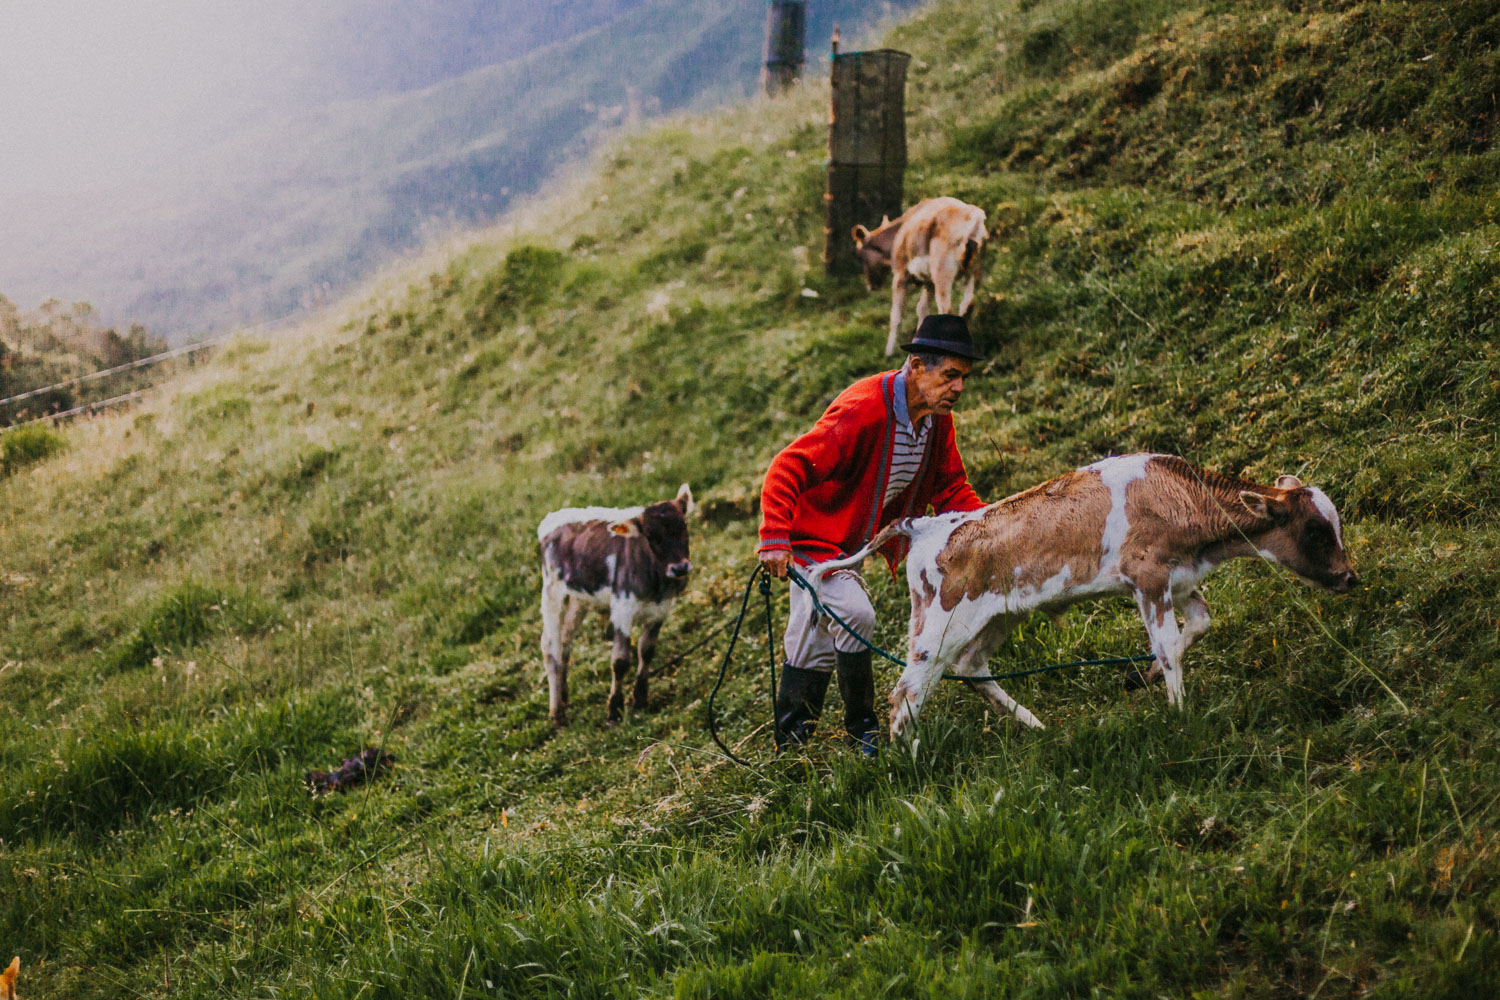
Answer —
(630, 563)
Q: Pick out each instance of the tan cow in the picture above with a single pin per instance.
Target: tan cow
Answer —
(933, 243)
(1145, 526)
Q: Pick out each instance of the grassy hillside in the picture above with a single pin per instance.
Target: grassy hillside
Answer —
(289, 214)
(1261, 237)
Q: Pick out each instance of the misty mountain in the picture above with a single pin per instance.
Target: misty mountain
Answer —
(293, 211)
(366, 48)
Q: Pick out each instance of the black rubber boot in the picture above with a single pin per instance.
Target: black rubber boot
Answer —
(799, 702)
(857, 686)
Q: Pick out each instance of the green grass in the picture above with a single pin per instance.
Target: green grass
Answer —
(1174, 268)
(25, 446)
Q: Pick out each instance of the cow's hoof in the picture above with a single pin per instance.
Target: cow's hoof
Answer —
(559, 721)
(1137, 679)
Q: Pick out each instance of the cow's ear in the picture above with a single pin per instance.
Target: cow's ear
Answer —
(685, 500)
(1288, 483)
(1255, 503)
(1267, 508)
(626, 529)
(860, 234)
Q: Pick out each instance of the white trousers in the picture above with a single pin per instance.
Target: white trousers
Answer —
(812, 639)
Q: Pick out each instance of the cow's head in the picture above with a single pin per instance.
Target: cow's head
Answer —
(664, 527)
(1301, 531)
(874, 253)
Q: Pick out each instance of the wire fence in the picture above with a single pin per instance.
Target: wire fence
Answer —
(85, 408)
(175, 352)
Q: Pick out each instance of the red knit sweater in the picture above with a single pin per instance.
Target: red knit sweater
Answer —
(821, 497)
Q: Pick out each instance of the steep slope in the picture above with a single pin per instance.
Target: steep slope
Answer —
(326, 541)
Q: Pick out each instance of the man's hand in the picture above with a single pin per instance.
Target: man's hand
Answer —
(778, 561)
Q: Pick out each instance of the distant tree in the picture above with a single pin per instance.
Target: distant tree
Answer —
(10, 320)
(62, 341)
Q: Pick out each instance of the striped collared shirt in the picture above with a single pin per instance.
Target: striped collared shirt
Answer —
(909, 445)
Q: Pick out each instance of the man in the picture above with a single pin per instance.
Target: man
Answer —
(884, 449)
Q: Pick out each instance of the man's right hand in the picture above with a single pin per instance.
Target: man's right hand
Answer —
(778, 561)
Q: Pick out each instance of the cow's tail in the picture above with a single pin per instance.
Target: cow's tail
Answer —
(974, 242)
(818, 571)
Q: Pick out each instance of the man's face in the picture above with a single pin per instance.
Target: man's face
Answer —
(938, 388)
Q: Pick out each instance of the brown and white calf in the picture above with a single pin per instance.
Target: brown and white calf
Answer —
(1145, 526)
(932, 244)
(629, 563)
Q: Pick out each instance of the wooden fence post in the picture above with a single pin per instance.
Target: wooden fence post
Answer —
(866, 148)
(786, 37)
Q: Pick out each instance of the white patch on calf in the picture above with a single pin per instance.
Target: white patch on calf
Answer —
(622, 612)
(554, 596)
(919, 267)
(929, 536)
(627, 610)
(1186, 577)
(1167, 644)
(948, 640)
(1050, 590)
(1116, 473)
(579, 515)
(1330, 513)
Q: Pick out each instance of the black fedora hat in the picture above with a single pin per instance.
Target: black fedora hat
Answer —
(944, 333)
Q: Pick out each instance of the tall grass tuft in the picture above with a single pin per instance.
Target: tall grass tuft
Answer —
(25, 446)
